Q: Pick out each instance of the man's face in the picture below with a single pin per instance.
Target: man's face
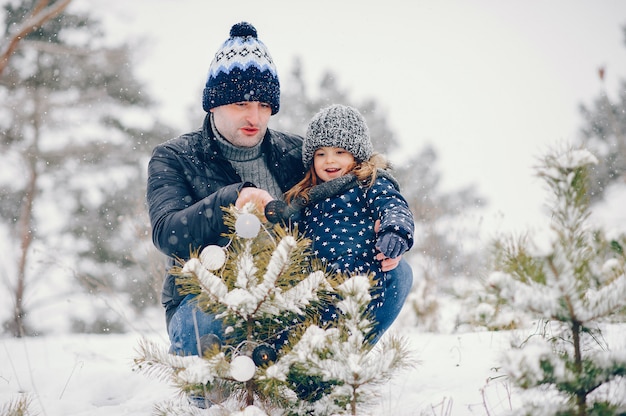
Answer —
(243, 124)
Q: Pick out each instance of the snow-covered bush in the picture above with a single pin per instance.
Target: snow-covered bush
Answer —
(572, 280)
(276, 356)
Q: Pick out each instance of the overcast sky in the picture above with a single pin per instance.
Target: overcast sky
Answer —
(491, 84)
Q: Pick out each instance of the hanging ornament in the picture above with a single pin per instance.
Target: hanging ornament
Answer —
(247, 226)
(213, 257)
(242, 368)
(209, 342)
(263, 354)
(275, 210)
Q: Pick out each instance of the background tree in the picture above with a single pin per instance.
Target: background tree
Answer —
(573, 281)
(41, 13)
(605, 133)
(442, 236)
(298, 107)
(75, 141)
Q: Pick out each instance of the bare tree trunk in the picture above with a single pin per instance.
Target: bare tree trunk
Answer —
(38, 17)
(25, 225)
(581, 397)
(26, 238)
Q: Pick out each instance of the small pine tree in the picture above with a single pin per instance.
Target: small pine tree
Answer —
(264, 282)
(573, 284)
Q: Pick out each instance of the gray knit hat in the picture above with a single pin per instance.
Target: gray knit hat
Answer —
(337, 126)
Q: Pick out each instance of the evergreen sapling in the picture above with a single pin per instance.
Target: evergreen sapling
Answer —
(573, 281)
(275, 357)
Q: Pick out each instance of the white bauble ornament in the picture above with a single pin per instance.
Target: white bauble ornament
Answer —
(242, 368)
(247, 226)
(213, 257)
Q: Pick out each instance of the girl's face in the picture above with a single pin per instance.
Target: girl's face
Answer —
(332, 162)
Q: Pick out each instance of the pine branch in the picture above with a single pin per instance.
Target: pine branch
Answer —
(278, 264)
(298, 298)
(171, 408)
(209, 282)
(18, 406)
(153, 361)
(605, 301)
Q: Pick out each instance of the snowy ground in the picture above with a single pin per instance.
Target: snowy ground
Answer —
(92, 375)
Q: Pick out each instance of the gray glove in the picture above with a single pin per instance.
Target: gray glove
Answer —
(391, 245)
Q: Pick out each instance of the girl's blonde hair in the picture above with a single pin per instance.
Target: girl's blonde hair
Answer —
(364, 171)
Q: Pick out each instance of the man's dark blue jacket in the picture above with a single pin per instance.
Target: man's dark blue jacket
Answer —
(189, 181)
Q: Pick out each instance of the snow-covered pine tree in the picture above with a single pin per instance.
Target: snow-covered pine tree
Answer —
(572, 281)
(275, 357)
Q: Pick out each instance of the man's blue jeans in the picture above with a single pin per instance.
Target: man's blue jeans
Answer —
(189, 323)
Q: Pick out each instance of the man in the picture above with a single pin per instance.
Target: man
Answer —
(233, 159)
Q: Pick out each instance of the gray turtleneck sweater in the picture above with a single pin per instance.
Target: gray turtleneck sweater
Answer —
(250, 163)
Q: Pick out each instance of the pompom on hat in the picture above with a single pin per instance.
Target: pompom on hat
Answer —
(242, 70)
(337, 126)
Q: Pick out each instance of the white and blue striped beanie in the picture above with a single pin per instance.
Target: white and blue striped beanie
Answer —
(337, 126)
(242, 70)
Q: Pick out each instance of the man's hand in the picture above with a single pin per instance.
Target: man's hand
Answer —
(259, 197)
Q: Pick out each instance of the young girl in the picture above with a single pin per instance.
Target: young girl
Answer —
(345, 192)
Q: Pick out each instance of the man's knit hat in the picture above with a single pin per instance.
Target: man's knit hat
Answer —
(242, 70)
(337, 126)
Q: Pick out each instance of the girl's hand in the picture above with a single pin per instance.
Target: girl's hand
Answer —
(386, 263)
